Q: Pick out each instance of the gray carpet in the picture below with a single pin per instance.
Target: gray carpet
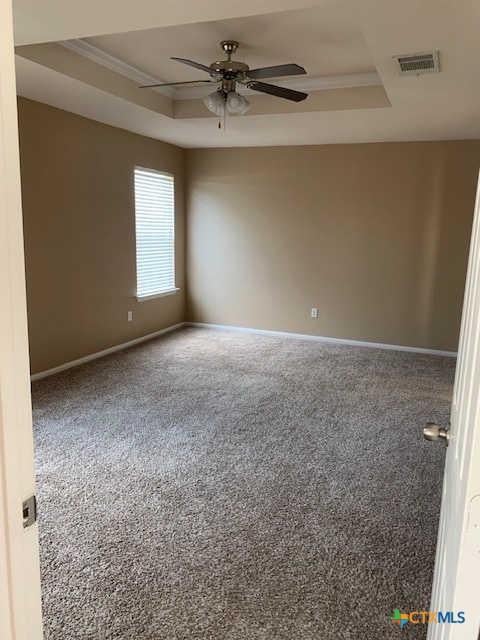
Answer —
(216, 485)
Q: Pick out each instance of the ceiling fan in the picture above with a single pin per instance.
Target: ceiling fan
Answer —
(228, 73)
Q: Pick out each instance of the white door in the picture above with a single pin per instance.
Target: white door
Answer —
(20, 616)
(456, 585)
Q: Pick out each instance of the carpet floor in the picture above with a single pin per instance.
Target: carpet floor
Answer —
(213, 485)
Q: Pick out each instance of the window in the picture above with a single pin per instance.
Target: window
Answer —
(155, 233)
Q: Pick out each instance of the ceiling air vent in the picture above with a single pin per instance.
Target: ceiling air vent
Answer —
(417, 63)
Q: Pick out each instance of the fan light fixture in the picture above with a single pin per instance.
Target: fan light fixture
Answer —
(232, 101)
(237, 103)
(215, 102)
(228, 74)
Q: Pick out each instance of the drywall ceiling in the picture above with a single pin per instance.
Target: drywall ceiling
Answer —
(347, 47)
(53, 20)
(324, 39)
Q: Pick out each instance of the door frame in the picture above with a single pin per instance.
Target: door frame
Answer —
(458, 549)
(20, 600)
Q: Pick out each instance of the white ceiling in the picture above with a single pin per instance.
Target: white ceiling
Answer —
(332, 37)
(323, 39)
(54, 20)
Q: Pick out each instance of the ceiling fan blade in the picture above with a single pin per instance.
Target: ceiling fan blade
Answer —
(277, 71)
(195, 65)
(280, 92)
(173, 84)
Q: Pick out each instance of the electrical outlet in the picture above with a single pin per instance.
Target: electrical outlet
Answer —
(130, 316)
(314, 313)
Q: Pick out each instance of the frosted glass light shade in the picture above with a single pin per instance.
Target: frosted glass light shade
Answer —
(215, 102)
(237, 103)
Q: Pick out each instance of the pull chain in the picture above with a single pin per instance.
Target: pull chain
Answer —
(224, 117)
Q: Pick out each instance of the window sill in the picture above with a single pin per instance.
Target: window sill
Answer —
(171, 292)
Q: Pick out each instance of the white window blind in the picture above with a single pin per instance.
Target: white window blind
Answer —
(155, 232)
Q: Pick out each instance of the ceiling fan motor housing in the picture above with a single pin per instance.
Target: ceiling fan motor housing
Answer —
(229, 66)
(229, 71)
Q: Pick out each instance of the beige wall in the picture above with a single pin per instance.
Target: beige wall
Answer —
(79, 234)
(374, 235)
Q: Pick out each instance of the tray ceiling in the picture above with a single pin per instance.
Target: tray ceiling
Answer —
(323, 39)
(347, 47)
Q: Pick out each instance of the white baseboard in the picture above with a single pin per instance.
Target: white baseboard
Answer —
(104, 352)
(228, 327)
(306, 336)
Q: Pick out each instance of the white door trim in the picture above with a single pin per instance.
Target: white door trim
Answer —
(20, 605)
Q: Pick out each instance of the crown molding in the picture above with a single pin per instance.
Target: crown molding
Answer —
(101, 57)
(301, 83)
